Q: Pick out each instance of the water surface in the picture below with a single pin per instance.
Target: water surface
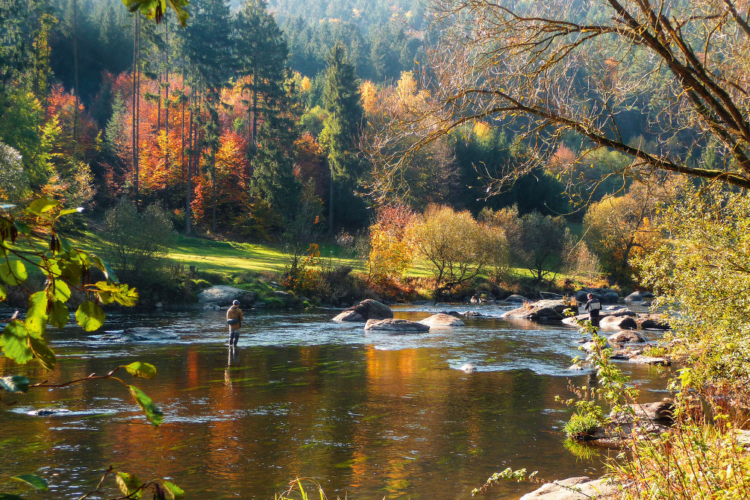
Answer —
(367, 416)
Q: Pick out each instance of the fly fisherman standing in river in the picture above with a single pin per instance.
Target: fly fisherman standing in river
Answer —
(593, 306)
(234, 320)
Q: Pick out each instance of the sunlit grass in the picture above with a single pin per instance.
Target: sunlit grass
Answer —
(234, 258)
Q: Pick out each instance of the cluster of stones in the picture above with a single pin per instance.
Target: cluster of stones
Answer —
(379, 318)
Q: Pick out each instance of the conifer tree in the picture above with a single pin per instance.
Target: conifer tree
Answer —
(262, 55)
(207, 47)
(339, 136)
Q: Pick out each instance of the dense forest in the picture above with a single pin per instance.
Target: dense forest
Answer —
(229, 121)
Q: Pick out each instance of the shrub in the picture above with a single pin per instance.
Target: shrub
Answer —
(620, 228)
(456, 246)
(137, 242)
(213, 277)
(391, 246)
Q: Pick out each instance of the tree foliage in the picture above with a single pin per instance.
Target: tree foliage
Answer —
(701, 273)
(455, 246)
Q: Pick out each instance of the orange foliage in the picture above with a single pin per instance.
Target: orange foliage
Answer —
(232, 186)
(310, 163)
(63, 105)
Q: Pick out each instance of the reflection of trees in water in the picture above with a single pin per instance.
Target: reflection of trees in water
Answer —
(352, 417)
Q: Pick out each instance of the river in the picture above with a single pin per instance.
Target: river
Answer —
(367, 416)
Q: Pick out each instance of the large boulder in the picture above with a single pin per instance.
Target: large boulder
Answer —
(619, 311)
(396, 326)
(442, 321)
(516, 298)
(605, 295)
(626, 337)
(224, 295)
(366, 310)
(617, 323)
(652, 322)
(639, 296)
(544, 310)
(649, 360)
(574, 488)
(659, 412)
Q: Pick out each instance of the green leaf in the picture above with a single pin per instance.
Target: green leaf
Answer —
(174, 491)
(126, 296)
(13, 272)
(62, 291)
(104, 267)
(14, 342)
(153, 414)
(143, 370)
(33, 480)
(36, 316)
(59, 315)
(90, 316)
(42, 205)
(22, 227)
(15, 383)
(43, 353)
(129, 484)
(3, 293)
(71, 270)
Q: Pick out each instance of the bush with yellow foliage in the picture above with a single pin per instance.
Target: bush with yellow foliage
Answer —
(456, 247)
(391, 243)
(619, 228)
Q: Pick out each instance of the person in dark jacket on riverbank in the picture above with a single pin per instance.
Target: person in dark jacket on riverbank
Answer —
(234, 320)
(593, 306)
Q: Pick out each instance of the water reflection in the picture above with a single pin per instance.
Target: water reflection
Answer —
(368, 416)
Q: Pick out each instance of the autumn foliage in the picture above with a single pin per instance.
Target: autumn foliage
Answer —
(391, 245)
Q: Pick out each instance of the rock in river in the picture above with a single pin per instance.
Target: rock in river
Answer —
(605, 295)
(442, 321)
(659, 412)
(47, 412)
(615, 311)
(574, 488)
(138, 334)
(617, 323)
(223, 295)
(396, 325)
(625, 337)
(544, 310)
(652, 322)
(517, 298)
(364, 311)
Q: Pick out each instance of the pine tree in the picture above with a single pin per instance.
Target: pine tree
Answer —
(207, 46)
(262, 54)
(339, 136)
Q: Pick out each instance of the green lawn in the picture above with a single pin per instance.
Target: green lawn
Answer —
(234, 258)
(227, 256)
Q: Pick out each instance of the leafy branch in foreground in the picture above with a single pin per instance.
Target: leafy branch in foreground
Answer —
(28, 238)
(506, 475)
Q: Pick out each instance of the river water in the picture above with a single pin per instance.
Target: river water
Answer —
(367, 416)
